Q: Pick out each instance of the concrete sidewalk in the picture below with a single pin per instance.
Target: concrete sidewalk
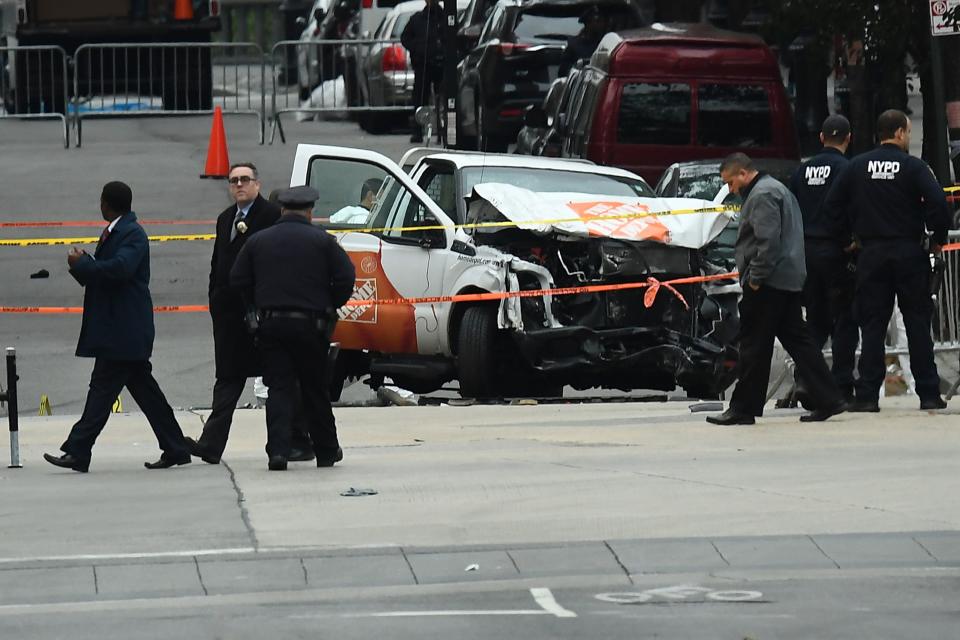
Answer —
(492, 475)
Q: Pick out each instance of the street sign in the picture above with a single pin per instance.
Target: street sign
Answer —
(944, 17)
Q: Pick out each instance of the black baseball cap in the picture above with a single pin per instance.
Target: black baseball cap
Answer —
(835, 127)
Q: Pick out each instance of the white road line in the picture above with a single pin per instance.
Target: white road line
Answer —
(545, 599)
(131, 556)
(456, 612)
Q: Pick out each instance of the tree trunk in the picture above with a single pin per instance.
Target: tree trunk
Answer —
(861, 100)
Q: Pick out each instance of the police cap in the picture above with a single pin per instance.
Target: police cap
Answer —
(835, 127)
(298, 197)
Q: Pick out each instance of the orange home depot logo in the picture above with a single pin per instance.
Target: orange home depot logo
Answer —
(365, 289)
(388, 328)
(599, 220)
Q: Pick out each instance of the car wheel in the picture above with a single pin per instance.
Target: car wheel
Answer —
(477, 353)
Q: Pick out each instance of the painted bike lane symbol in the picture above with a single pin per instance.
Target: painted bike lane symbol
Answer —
(680, 593)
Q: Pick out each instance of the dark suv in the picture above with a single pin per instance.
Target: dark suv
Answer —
(518, 56)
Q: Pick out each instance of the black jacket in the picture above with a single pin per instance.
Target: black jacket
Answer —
(810, 184)
(295, 266)
(423, 37)
(233, 345)
(117, 308)
(887, 194)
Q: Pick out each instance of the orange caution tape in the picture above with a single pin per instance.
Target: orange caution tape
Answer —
(649, 297)
(953, 246)
(187, 308)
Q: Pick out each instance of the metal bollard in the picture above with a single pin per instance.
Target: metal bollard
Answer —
(11, 399)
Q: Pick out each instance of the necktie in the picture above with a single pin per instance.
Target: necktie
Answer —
(103, 238)
(236, 220)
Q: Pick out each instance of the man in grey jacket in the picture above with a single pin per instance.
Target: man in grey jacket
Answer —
(772, 266)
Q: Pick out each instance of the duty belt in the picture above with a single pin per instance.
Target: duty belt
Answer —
(284, 313)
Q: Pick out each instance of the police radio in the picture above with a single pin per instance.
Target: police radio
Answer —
(938, 267)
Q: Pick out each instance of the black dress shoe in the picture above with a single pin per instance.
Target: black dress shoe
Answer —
(819, 415)
(328, 460)
(864, 406)
(300, 455)
(730, 417)
(277, 463)
(932, 404)
(67, 461)
(197, 451)
(166, 463)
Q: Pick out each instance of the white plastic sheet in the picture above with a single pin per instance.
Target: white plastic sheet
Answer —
(672, 221)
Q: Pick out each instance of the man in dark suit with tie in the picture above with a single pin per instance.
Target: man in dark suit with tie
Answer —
(234, 350)
(117, 330)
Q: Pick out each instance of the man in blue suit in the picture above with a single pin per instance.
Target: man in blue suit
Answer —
(118, 331)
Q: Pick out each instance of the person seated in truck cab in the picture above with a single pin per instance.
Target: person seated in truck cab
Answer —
(358, 214)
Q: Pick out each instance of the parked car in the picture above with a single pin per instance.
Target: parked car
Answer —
(701, 179)
(538, 119)
(470, 26)
(328, 23)
(678, 92)
(517, 57)
(384, 76)
(467, 223)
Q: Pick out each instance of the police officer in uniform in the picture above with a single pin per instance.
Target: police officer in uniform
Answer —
(891, 199)
(296, 276)
(828, 289)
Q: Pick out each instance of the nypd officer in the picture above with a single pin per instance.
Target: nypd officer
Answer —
(296, 276)
(828, 289)
(891, 200)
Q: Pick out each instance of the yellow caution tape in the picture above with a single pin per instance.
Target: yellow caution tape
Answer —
(32, 242)
(38, 242)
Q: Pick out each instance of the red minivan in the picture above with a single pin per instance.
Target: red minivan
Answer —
(678, 92)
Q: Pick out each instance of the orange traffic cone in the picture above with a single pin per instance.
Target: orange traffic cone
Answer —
(183, 10)
(218, 160)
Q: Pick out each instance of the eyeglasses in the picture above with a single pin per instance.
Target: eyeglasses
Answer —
(241, 180)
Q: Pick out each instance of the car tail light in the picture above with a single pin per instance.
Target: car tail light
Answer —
(511, 113)
(214, 8)
(510, 48)
(394, 58)
(367, 4)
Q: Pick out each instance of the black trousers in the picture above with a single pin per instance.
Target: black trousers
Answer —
(109, 377)
(828, 297)
(773, 313)
(295, 359)
(216, 430)
(901, 270)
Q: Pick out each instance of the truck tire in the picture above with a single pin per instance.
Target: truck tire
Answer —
(477, 361)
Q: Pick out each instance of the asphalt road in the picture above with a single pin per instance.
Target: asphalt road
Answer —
(852, 606)
(161, 159)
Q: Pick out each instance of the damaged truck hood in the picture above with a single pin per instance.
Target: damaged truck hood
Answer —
(680, 222)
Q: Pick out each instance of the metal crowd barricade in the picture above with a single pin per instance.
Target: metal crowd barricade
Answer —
(35, 85)
(370, 78)
(135, 79)
(945, 326)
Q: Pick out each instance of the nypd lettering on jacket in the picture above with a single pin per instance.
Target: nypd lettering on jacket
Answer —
(883, 169)
(817, 176)
(887, 194)
(810, 183)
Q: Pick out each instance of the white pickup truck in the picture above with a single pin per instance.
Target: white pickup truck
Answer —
(499, 223)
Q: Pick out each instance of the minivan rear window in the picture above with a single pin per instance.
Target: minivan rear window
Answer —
(733, 115)
(654, 113)
(532, 27)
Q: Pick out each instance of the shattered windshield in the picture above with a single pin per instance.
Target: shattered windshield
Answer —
(554, 181)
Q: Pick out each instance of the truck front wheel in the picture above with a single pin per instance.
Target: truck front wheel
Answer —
(477, 353)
